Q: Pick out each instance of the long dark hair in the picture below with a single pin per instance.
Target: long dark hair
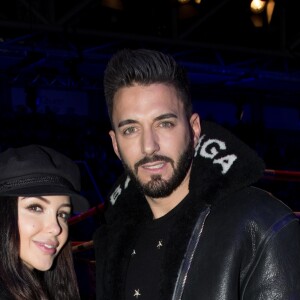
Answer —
(58, 283)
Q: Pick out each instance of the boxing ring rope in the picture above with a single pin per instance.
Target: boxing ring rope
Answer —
(269, 174)
(92, 211)
(282, 175)
(82, 246)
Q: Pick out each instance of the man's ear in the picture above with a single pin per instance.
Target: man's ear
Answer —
(114, 143)
(196, 127)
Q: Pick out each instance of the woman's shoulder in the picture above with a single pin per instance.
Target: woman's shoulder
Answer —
(4, 294)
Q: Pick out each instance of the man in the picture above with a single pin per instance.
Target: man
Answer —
(184, 221)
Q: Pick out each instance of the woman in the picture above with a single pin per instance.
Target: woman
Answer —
(39, 187)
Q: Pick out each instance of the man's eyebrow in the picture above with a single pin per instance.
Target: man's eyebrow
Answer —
(126, 122)
(165, 116)
(161, 117)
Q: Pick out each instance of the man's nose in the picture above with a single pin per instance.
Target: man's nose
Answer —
(149, 142)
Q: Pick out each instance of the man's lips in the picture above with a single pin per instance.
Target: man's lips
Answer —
(154, 166)
(153, 163)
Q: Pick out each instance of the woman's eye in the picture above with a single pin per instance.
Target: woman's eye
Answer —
(64, 215)
(35, 208)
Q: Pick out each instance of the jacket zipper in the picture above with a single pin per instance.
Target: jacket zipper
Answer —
(189, 255)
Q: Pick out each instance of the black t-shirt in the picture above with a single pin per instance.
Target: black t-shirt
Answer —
(144, 269)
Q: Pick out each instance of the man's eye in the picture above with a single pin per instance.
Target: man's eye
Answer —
(129, 130)
(166, 124)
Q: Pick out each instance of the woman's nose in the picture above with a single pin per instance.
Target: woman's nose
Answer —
(53, 225)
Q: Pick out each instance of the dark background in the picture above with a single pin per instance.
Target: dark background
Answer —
(247, 78)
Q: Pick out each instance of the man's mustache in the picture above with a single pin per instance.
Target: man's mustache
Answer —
(150, 159)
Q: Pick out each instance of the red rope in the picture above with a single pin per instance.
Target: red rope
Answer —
(82, 246)
(84, 215)
(282, 175)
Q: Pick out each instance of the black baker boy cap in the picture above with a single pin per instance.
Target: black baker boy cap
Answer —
(36, 170)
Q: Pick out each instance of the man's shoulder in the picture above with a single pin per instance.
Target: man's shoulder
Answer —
(252, 215)
(259, 198)
(256, 206)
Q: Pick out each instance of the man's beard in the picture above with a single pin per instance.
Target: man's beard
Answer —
(158, 187)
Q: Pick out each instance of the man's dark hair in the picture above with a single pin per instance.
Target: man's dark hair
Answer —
(143, 66)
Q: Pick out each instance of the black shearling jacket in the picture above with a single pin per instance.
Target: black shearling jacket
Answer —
(231, 242)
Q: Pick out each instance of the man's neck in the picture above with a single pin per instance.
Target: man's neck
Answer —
(161, 206)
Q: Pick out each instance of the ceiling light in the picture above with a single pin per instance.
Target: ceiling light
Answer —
(187, 11)
(257, 6)
(114, 4)
(257, 20)
(187, 1)
(270, 9)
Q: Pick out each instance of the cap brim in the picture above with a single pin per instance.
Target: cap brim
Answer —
(79, 202)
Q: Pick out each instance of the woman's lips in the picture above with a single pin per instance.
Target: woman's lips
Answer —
(47, 247)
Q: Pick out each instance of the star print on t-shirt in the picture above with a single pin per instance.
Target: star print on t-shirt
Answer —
(146, 256)
(159, 244)
(137, 293)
